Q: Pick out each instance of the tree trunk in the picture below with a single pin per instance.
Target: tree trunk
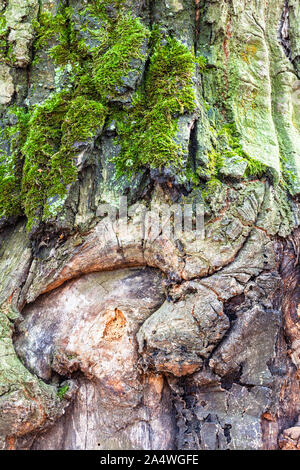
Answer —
(116, 336)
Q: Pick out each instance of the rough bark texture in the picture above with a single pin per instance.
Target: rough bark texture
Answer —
(118, 340)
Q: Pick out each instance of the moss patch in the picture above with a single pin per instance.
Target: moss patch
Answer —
(234, 148)
(125, 47)
(6, 48)
(227, 146)
(36, 175)
(41, 153)
(62, 391)
(148, 133)
(225, 149)
(11, 163)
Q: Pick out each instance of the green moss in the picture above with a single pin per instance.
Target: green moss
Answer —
(36, 176)
(49, 151)
(39, 151)
(11, 163)
(59, 28)
(202, 64)
(84, 116)
(44, 141)
(127, 42)
(225, 145)
(83, 119)
(9, 187)
(232, 148)
(211, 187)
(62, 391)
(288, 175)
(215, 161)
(152, 125)
(228, 147)
(6, 48)
(99, 7)
(3, 36)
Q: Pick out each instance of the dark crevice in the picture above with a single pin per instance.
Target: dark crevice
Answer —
(231, 307)
(151, 13)
(227, 433)
(234, 377)
(284, 29)
(197, 21)
(230, 310)
(193, 147)
(188, 425)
